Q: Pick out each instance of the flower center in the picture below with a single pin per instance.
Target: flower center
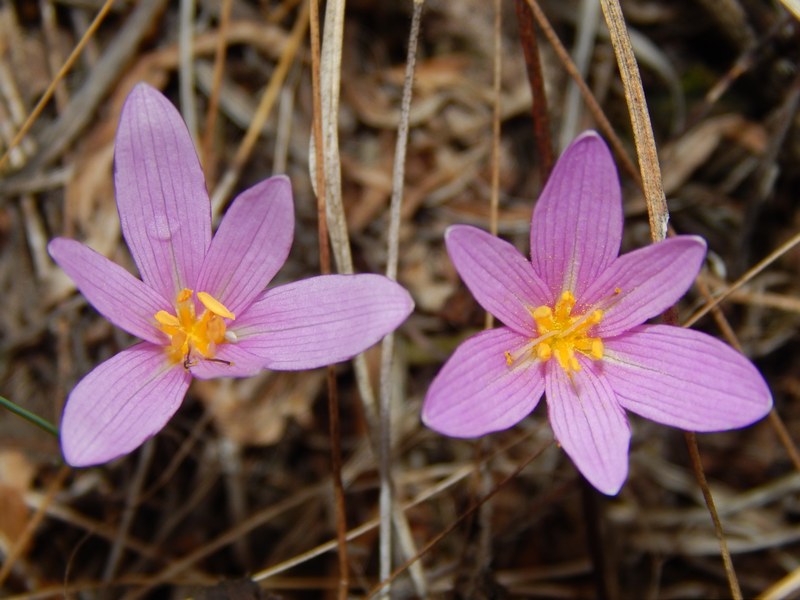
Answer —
(192, 335)
(562, 334)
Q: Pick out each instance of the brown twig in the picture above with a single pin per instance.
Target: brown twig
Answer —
(541, 119)
(697, 466)
(325, 268)
(591, 103)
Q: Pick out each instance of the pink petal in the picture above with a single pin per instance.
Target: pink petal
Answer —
(501, 279)
(577, 223)
(685, 378)
(649, 280)
(161, 194)
(251, 244)
(589, 424)
(241, 363)
(321, 320)
(477, 392)
(116, 294)
(120, 404)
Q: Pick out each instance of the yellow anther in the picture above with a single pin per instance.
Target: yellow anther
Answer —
(544, 351)
(542, 312)
(193, 337)
(214, 305)
(562, 335)
(509, 360)
(167, 319)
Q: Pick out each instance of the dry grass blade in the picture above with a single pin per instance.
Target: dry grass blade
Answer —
(387, 383)
(603, 123)
(640, 119)
(658, 215)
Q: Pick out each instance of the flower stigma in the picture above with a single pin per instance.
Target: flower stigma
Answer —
(192, 336)
(562, 334)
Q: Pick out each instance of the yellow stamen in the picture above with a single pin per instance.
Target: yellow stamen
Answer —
(214, 305)
(562, 335)
(193, 337)
(167, 319)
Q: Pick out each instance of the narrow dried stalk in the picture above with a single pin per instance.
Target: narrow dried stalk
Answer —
(591, 103)
(494, 200)
(749, 275)
(325, 267)
(697, 465)
(659, 218)
(541, 121)
(588, 23)
(640, 120)
(387, 346)
(186, 69)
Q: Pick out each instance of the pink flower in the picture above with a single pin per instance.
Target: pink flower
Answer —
(200, 307)
(574, 330)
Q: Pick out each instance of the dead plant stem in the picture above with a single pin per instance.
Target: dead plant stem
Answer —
(694, 455)
(591, 103)
(387, 347)
(640, 120)
(541, 120)
(186, 66)
(325, 268)
(658, 215)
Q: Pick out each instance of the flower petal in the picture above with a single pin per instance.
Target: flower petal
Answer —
(120, 404)
(649, 280)
(230, 361)
(251, 244)
(116, 294)
(685, 379)
(162, 200)
(501, 279)
(577, 223)
(477, 392)
(589, 424)
(321, 320)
